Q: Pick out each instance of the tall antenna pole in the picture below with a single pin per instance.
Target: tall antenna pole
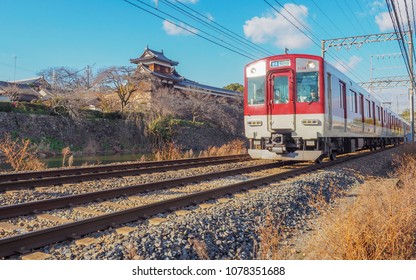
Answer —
(14, 76)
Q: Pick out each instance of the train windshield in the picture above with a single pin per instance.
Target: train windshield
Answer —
(307, 87)
(281, 89)
(255, 90)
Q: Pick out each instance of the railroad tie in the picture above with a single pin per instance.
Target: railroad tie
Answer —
(125, 230)
(156, 221)
(87, 241)
(240, 195)
(141, 199)
(115, 205)
(9, 227)
(86, 210)
(36, 256)
(223, 200)
(205, 205)
(41, 189)
(53, 218)
(182, 212)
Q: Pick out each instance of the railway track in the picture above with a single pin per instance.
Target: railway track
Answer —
(25, 242)
(14, 181)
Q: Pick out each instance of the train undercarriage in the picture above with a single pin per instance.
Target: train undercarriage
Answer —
(286, 147)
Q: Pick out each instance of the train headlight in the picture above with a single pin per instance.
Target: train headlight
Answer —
(257, 69)
(311, 65)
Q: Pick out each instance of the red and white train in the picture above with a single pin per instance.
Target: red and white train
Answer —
(300, 107)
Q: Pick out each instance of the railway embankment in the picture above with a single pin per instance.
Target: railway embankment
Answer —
(90, 136)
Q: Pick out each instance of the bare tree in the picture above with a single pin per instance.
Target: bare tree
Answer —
(66, 79)
(120, 79)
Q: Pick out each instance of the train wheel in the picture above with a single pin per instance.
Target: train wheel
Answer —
(333, 156)
(320, 158)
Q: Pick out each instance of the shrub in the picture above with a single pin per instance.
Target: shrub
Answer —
(6, 107)
(19, 155)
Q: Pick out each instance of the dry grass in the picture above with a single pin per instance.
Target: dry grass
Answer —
(232, 148)
(19, 155)
(67, 156)
(200, 248)
(171, 151)
(379, 225)
(271, 237)
(131, 252)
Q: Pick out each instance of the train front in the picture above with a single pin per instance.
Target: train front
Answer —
(284, 107)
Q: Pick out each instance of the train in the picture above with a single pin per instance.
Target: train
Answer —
(300, 107)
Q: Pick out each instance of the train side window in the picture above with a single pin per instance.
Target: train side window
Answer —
(352, 100)
(368, 107)
(355, 103)
(378, 113)
(255, 90)
(361, 104)
(342, 101)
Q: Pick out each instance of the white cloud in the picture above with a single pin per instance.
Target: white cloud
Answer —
(384, 22)
(175, 30)
(345, 67)
(276, 29)
(210, 17)
(383, 19)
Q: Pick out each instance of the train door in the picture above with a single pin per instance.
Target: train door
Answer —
(361, 101)
(281, 111)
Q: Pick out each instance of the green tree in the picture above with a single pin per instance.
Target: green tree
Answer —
(406, 115)
(235, 87)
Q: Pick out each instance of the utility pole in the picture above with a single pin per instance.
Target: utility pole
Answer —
(411, 90)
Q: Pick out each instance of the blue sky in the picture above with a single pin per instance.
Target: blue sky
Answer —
(98, 33)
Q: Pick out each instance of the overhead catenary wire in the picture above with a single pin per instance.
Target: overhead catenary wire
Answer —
(192, 30)
(393, 11)
(312, 40)
(216, 26)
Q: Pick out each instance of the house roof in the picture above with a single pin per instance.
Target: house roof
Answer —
(150, 56)
(35, 81)
(189, 85)
(172, 76)
(25, 90)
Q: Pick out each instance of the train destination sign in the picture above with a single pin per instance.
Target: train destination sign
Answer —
(280, 63)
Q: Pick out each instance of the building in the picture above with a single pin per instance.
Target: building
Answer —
(25, 90)
(157, 65)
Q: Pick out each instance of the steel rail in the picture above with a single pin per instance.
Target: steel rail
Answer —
(14, 185)
(107, 167)
(15, 210)
(25, 242)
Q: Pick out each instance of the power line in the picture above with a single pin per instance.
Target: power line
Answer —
(312, 40)
(218, 27)
(232, 48)
(330, 20)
